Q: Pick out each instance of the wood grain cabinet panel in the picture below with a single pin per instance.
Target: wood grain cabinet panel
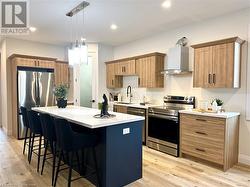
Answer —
(217, 64)
(24, 62)
(120, 109)
(211, 139)
(126, 67)
(149, 71)
(45, 64)
(61, 73)
(147, 67)
(112, 80)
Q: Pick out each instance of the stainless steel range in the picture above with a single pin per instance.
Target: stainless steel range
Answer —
(163, 124)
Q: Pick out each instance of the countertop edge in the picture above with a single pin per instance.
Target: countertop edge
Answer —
(105, 124)
(224, 115)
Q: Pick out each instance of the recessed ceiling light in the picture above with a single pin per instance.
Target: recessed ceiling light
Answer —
(166, 4)
(32, 29)
(113, 27)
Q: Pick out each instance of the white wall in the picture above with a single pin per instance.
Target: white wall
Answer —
(3, 86)
(105, 54)
(223, 27)
(10, 46)
(15, 46)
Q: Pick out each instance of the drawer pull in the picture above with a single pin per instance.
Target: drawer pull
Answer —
(203, 133)
(201, 150)
(201, 120)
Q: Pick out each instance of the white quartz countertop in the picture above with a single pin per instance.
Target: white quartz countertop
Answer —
(136, 105)
(85, 116)
(218, 115)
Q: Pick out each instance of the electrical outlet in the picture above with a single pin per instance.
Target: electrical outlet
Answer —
(126, 131)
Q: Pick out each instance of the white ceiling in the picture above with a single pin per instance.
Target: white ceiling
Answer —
(135, 18)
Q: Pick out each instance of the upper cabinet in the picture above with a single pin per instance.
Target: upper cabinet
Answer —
(149, 70)
(112, 80)
(147, 67)
(61, 73)
(61, 68)
(217, 64)
(126, 67)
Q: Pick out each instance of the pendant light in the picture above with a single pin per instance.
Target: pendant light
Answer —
(78, 50)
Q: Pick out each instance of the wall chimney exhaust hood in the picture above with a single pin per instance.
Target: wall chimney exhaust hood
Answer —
(178, 61)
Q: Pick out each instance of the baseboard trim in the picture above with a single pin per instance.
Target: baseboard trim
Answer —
(244, 159)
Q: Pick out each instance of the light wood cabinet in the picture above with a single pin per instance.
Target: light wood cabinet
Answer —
(45, 64)
(147, 67)
(24, 62)
(112, 80)
(120, 109)
(149, 70)
(209, 138)
(61, 73)
(217, 64)
(125, 67)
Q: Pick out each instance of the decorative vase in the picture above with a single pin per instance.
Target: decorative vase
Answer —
(61, 103)
(219, 108)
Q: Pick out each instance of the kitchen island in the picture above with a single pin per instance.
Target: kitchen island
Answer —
(120, 148)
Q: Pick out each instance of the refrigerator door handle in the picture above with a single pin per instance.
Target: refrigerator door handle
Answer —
(37, 92)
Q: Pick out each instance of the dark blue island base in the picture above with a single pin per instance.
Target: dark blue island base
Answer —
(119, 153)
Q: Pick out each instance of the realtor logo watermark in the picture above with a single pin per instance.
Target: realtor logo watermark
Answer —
(14, 17)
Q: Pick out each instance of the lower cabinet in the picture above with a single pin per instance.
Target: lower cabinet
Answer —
(120, 109)
(210, 139)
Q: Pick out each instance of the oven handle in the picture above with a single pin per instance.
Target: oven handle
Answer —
(173, 118)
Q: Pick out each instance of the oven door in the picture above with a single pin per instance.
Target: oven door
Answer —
(164, 128)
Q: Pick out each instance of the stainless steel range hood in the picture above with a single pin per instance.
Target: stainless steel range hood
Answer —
(178, 61)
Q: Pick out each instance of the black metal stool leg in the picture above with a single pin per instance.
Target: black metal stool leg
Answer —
(31, 148)
(25, 139)
(54, 163)
(39, 153)
(45, 153)
(29, 145)
(58, 166)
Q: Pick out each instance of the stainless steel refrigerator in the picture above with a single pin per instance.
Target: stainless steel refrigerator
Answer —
(34, 89)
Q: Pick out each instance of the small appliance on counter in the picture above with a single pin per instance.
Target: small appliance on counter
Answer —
(145, 100)
(115, 97)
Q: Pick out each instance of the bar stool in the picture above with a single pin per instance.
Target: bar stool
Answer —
(27, 128)
(49, 134)
(36, 129)
(71, 142)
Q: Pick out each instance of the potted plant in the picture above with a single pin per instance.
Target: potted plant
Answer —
(61, 92)
(219, 103)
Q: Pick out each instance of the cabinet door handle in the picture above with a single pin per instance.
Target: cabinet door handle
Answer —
(202, 133)
(139, 81)
(201, 150)
(201, 120)
(124, 69)
(214, 78)
(112, 82)
(209, 78)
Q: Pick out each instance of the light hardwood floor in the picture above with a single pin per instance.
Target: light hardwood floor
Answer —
(158, 170)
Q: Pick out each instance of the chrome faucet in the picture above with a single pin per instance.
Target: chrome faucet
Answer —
(129, 90)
